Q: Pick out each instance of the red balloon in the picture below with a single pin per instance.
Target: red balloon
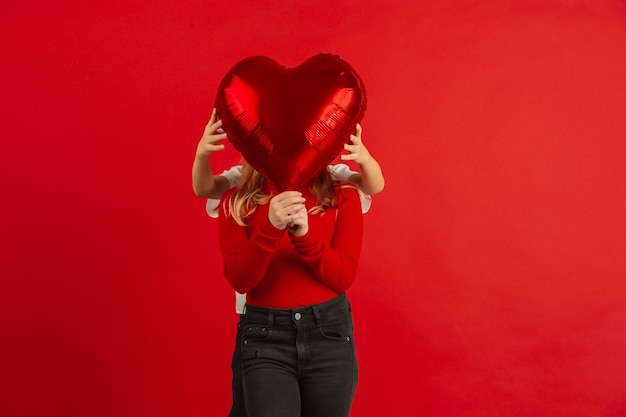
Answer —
(289, 123)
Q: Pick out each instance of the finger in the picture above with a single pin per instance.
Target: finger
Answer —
(216, 126)
(348, 157)
(212, 126)
(291, 205)
(286, 200)
(287, 194)
(287, 207)
(351, 148)
(220, 130)
(214, 148)
(298, 218)
(216, 138)
(359, 130)
(355, 139)
(284, 216)
(284, 207)
(210, 143)
(298, 208)
(293, 211)
(213, 116)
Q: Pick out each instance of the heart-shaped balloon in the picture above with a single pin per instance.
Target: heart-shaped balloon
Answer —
(289, 123)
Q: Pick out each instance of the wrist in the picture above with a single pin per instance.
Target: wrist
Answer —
(203, 156)
(275, 224)
(364, 160)
(271, 229)
(299, 231)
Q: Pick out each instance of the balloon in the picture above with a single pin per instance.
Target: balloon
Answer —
(289, 123)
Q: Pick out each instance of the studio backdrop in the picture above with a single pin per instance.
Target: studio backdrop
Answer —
(491, 279)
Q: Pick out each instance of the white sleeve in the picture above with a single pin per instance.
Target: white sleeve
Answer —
(342, 172)
(240, 303)
(233, 176)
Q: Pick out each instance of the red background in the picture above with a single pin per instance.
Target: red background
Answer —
(492, 272)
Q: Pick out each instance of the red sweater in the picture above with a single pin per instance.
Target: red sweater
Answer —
(279, 270)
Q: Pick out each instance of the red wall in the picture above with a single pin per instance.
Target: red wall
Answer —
(493, 266)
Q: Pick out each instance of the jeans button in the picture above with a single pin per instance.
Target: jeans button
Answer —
(297, 316)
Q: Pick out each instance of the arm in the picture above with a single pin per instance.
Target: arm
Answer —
(247, 252)
(335, 265)
(233, 176)
(246, 258)
(205, 184)
(371, 178)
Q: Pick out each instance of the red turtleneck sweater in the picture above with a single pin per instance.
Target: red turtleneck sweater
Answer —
(279, 270)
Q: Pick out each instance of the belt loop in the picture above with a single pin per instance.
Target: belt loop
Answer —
(316, 314)
(270, 318)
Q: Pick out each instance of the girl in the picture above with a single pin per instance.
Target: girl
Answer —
(370, 180)
(295, 254)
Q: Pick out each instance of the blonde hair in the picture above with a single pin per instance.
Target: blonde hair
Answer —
(249, 194)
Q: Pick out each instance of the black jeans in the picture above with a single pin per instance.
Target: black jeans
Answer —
(238, 408)
(299, 362)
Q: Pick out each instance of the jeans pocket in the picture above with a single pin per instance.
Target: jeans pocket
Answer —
(253, 333)
(255, 345)
(338, 331)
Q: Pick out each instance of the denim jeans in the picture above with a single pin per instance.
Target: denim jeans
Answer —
(238, 408)
(299, 362)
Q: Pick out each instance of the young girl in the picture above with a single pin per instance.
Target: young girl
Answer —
(370, 180)
(295, 254)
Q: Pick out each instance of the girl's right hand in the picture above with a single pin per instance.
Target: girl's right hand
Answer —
(283, 206)
(213, 133)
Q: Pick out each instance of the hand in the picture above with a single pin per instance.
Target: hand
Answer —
(299, 225)
(283, 206)
(358, 151)
(213, 133)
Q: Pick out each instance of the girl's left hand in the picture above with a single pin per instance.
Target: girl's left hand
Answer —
(299, 225)
(358, 151)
